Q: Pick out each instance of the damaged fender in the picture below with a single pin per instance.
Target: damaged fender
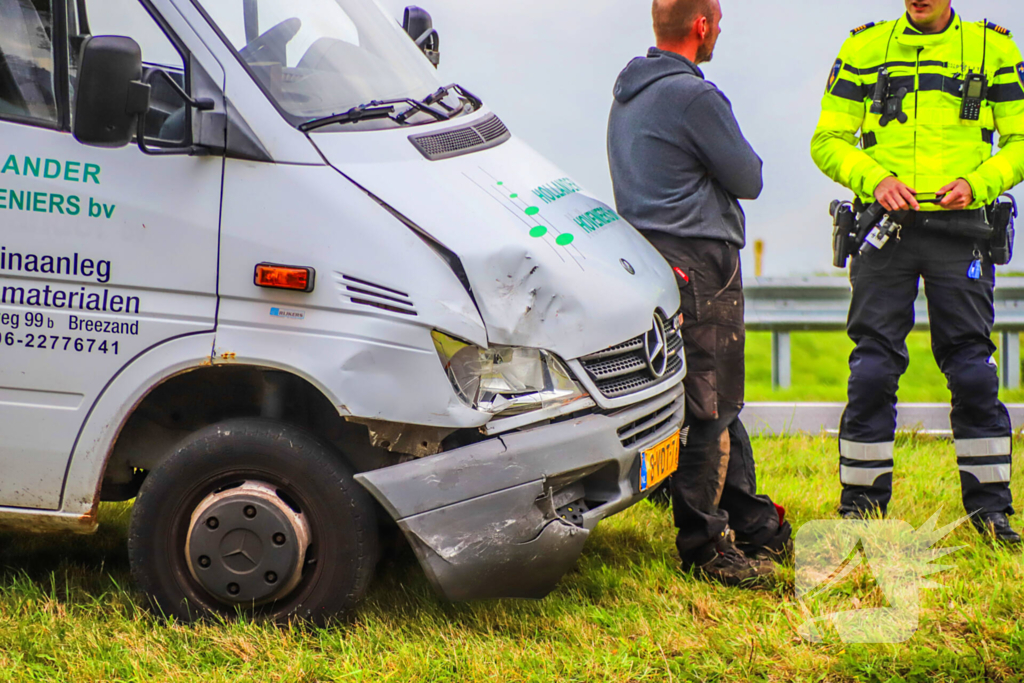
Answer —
(522, 552)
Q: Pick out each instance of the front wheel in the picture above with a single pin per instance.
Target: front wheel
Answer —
(257, 517)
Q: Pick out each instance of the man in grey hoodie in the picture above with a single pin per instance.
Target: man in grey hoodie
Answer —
(680, 165)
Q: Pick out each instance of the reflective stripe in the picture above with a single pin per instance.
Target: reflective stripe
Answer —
(861, 476)
(892, 65)
(989, 474)
(1005, 92)
(866, 451)
(980, 448)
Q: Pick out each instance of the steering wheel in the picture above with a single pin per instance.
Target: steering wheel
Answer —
(270, 47)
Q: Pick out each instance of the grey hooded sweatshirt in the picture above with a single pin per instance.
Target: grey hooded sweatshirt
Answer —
(679, 162)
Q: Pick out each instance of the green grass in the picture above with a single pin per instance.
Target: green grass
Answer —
(820, 370)
(68, 611)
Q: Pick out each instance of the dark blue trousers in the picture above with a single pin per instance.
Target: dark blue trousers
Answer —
(961, 314)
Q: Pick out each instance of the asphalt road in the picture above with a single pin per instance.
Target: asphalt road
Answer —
(813, 418)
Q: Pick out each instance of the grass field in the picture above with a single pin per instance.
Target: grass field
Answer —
(68, 611)
(820, 369)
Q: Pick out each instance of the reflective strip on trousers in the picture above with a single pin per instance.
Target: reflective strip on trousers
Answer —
(866, 452)
(861, 476)
(989, 474)
(982, 448)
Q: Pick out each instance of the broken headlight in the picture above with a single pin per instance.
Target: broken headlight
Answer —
(506, 380)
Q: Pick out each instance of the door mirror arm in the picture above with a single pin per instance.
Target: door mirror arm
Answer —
(139, 105)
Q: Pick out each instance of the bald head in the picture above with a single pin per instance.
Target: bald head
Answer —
(688, 27)
(674, 19)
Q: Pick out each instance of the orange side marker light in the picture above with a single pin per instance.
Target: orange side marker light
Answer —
(274, 276)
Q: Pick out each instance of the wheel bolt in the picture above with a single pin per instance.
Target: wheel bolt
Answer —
(249, 511)
(204, 561)
(279, 538)
(271, 577)
(233, 588)
(213, 522)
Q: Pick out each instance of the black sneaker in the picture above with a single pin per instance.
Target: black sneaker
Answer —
(996, 526)
(722, 562)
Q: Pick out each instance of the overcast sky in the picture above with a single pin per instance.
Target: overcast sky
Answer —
(547, 67)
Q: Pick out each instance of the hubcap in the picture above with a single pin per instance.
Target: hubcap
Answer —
(246, 545)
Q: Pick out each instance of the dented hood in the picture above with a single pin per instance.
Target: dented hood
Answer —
(550, 266)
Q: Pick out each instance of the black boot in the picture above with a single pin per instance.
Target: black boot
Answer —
(996, 526)
(779, 549)
(723, 562)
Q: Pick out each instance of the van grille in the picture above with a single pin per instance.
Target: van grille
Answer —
(623, 369)
(365, 293)
(648, 425)
(490, 132)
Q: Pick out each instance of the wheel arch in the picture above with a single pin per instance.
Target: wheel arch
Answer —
(133, 425)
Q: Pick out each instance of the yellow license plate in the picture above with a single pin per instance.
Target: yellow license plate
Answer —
(658, 462)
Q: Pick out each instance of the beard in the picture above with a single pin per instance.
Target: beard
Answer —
(706, 51)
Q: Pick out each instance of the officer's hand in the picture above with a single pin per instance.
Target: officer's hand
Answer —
(959, 195)
(895, 195)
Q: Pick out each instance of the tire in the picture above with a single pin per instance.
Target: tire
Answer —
(227, 459)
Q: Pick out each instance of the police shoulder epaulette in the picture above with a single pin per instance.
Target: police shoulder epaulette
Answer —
(860, 29)
(992, 26)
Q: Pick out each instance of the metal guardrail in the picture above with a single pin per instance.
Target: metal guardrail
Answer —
(785, 305)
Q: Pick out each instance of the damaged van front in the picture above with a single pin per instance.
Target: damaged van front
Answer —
(328, 278)
(577, 385)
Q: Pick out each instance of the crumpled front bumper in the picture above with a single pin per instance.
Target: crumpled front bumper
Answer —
(483, 519)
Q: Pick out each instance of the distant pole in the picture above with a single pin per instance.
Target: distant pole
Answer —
(758, 258)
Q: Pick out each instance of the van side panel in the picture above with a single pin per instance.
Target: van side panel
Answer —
(363, 333)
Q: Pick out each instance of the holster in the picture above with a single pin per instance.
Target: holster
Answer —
(1001, 216)
(844, 223)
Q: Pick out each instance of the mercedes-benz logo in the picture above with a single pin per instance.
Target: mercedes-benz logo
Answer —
(628, 266)
(656, 349)
(241, 550)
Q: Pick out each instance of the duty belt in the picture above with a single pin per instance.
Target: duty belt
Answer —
(973, 223)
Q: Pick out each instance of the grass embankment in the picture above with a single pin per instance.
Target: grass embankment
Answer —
(68, 611)
(820, 370)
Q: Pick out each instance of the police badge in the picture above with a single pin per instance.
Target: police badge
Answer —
(833, 76)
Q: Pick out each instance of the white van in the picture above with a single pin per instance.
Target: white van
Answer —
(320, 289)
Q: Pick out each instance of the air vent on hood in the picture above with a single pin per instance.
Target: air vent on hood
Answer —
(364, 293)
(490, 132)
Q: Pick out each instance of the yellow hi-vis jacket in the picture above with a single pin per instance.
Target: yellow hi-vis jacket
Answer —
(934, 147)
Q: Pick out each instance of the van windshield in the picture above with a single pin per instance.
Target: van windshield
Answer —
(315, 58)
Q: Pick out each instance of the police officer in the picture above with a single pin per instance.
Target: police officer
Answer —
(952, 87)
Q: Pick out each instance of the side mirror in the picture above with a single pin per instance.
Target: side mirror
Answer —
(420, 27)
(110, 96)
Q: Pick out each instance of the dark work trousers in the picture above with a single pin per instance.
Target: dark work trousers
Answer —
(961, 313)
(715, 487)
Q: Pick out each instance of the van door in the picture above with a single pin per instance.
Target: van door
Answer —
(104, 253)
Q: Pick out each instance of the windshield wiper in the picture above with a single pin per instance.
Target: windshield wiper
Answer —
(443, 91)
(437, 98)
(363, 112)
(382, 109)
